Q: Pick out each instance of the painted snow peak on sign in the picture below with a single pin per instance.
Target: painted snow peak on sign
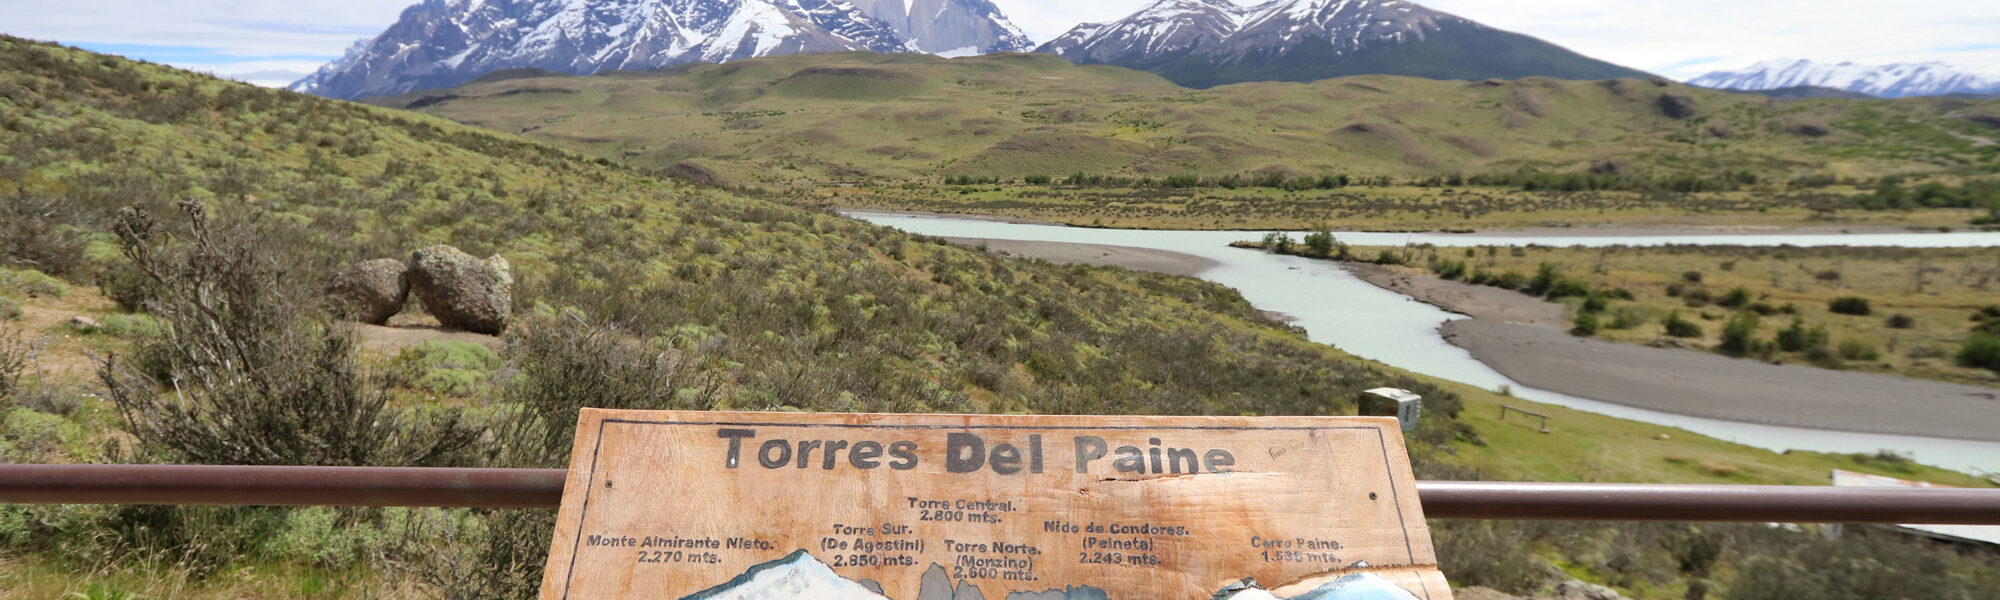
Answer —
(1357, 586)
(800, 576)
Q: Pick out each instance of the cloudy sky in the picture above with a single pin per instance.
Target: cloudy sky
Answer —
(273, 42)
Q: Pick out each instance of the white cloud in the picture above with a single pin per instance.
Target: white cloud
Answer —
(1679, 38)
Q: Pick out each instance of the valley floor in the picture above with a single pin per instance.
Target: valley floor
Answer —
(1522, 337)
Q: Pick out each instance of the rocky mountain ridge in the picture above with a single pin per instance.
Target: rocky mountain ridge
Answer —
(444, 43)
(1201, 43)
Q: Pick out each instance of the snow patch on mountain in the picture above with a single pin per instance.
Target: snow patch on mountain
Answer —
(1888, 81)
(444, 43)
(1229, 31)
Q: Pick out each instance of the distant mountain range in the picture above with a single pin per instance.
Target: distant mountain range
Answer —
(444, 43)
(800, 575)
(1198, 43)
(1204, 43)
(1885, 81)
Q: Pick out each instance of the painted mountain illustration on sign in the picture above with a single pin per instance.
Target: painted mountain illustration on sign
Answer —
(800, 576)
(1357, 586)
(1204, 43)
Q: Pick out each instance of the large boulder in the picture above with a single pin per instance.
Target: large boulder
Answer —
(371, 291)
(462, 291)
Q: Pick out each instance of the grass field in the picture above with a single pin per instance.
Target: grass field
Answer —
(1922, 304)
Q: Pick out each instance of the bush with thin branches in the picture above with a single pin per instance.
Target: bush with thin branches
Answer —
(257, 372)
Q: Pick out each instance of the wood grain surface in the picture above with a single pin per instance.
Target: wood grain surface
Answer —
(709, 505)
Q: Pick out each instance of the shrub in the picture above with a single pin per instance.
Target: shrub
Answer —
(129, 326)
(1321, 244)
(1595, 304)
(34, 234)
(1691, 277)
(1696, 298)
(15, 356)
(1390, 257)
(1858, 350)
(1280, 243)
(1799, 338)
(1739, 336)
(1762, 309)
(262, 377)
(1586, 324)
(1568, 288)
(1037, 179)
(1509, 280)
(451, 368)
(1850, 305)
(1736, 298)
(1901, 321)
(1547, 275)
(1488, 553)
(1681, 328)
(1449, 269)
(10, 310)
(1982, 350)
(1674, 290)
(1627, 318)
(31, 283)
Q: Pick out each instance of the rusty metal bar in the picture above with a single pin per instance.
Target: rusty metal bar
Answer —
(1714, 503)
(542, 488)
(280, 486)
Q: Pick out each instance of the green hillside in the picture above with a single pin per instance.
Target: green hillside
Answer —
(637, 292)
(1455, 51)
(794, 119)
(632, 292)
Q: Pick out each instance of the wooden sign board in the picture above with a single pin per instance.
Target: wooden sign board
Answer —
(728, 506)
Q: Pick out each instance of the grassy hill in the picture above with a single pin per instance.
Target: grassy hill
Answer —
(635, 292)
(846, 117)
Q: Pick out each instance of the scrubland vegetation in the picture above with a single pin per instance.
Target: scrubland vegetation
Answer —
(1927, 313)
(197, 218)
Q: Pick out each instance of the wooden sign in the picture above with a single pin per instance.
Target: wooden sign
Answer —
(729, 506)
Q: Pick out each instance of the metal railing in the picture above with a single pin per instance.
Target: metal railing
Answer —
(543, 488)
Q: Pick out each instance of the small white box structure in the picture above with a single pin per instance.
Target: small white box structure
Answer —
(1404, 405)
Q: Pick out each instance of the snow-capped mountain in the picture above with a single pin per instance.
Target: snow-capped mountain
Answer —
(1168, 28)
(1212, 42)
(949, 27)
(796, 576)
(1887, 81)
(444, 43)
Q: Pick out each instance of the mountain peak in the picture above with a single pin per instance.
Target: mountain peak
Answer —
(1202, 43)
(443, 43)
(1896, 80)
